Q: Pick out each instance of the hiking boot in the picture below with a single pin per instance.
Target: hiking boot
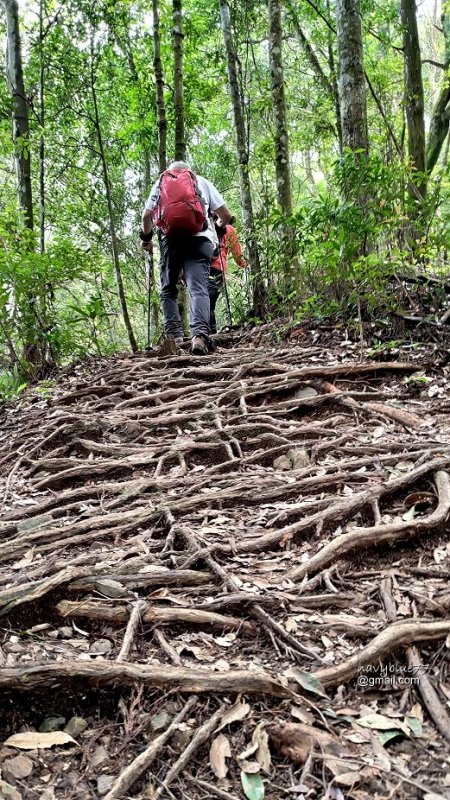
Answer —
(199, 346)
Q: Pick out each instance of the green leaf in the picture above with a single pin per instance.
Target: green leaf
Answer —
(310, 683)
(378, 722)
(387, 736)
(415, 725)
(252, 785)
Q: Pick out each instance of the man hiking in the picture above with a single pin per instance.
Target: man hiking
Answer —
(181, 205)
(228, 243)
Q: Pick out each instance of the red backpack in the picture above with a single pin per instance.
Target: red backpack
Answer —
(180, 209)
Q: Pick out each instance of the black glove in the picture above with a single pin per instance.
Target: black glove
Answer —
(221, 231)
(146, 237)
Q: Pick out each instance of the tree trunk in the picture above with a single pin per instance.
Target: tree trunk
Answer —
(41, 123)
(112, 226)
(282, 166)
(414, 100)
(243, 159)
(333, 77)
(180, 144)
(31, 327)
(159, 80)
(21, 134)
(440, 118)
(352, 89)
(352, 100)
(282, 163)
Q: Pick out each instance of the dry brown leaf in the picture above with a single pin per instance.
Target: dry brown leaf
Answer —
(237, 712)
(32, 740)
(249, 751)
(296, 740)
(219, 751)
(381, 757)
(261, 739)
(250, 767)
(302, 715)
(348, 778)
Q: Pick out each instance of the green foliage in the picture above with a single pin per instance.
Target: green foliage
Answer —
(11, 384)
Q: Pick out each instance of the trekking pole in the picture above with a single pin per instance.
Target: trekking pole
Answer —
(230, 318)
(150, 274)
(247, 287)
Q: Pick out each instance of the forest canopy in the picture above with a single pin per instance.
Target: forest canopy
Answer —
(323, 123)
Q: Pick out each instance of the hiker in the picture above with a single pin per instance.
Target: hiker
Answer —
(228, 243)
(181, 205)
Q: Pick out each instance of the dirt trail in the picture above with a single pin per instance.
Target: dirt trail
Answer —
(220, 565)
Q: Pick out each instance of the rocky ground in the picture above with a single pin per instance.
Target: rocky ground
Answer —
(228, 577)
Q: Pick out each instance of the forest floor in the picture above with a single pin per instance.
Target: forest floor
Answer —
(228, 576)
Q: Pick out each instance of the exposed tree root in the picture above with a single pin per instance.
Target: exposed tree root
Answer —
(361, 538)
(104, 673)
(396, 635)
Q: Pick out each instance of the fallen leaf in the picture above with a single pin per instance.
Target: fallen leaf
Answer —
(433, 796)
(32, 740)
(252, 785)
(250, 767)
(416, 711)
(415, 725)
(348, 778)
(440, 554)
(381, 758)
(219, 751)
(8, 792)
(409, 515)
(261, 738)
(295, 741)
(237, 712)
(249, 751)
(307, 681)
(302, 715)
(378, 722)
(388, 736)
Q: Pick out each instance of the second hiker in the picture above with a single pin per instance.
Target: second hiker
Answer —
(181, 205)
(228, 243)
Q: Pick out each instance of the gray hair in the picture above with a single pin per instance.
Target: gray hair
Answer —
(179, 165)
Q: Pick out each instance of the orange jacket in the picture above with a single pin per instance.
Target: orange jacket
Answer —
(229, 243)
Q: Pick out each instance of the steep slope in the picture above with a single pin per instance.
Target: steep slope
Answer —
(255, 540)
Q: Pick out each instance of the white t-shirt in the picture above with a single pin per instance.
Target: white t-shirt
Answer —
(211, 198)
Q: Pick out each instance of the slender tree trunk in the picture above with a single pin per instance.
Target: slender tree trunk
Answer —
(352, 97)
(331, 38)
(31, 327)
(41, 123)
(282, 162)
(180, 144)
(414, 100)
(243, 159)
(352, 88)
(112, 226)
(21, 134)
(159, 80)
(440, 118)
(282, 165)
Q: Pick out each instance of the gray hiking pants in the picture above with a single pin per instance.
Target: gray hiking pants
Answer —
(192, 256)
